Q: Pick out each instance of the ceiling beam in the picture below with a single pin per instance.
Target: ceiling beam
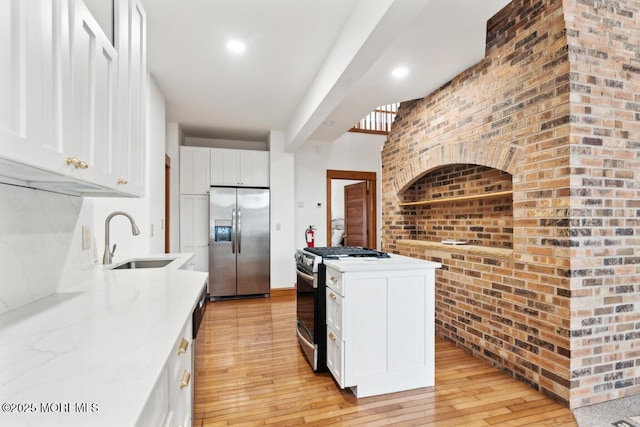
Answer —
(371, 28)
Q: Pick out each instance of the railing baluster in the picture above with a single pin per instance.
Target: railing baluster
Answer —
(378, 121)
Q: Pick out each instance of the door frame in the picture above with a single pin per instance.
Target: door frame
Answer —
(371, 179)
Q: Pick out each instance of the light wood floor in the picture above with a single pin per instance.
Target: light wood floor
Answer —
(250, 372)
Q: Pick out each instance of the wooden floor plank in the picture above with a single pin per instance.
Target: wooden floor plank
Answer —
(251, 372)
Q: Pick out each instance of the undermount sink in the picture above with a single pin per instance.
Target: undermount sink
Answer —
(144, 263)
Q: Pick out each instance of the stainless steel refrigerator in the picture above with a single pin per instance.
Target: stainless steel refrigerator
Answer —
(238, 242)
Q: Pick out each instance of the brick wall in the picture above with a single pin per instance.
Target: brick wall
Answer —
(555, 107)
(604, 54)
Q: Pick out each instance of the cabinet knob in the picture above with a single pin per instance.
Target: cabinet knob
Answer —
(183, 346)
(186, 376)
(332, 295)
(333, 279)
(77, 163)
(123, 181)
(331, 336)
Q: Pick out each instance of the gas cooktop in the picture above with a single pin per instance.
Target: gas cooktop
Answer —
(335, 252)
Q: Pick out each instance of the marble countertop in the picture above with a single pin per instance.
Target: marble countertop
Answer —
(395, 262)
(90, 356)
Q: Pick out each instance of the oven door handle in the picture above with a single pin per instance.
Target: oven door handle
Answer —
(304, 275)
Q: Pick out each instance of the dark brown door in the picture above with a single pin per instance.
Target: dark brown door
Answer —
(355, 214)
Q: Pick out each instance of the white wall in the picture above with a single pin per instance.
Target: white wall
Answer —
(281, 170)
(352, 151)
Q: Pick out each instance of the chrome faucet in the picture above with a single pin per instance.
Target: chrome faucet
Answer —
(108, 254)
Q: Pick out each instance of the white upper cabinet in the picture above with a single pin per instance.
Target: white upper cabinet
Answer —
(59, 100)
(130, 40)
(254, 168)
(245, 168)
(194, 170)
(224, 166)
(93, 88)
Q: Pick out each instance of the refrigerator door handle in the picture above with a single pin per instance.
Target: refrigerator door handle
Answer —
(239, 230)
(233, 231)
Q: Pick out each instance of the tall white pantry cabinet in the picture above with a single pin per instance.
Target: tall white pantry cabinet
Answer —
(72, 104)
(194, 205)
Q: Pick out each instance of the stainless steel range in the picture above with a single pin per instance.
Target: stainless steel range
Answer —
(310, 301)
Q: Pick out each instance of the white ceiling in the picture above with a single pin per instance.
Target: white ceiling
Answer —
(307, 62)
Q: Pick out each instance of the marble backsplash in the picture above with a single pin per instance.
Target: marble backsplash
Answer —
(41, 244)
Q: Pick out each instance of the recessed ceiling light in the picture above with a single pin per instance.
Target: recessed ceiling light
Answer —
(236, 46)
(400, 72)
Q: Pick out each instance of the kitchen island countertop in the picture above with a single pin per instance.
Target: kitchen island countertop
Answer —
(394, 262)
(91, 355)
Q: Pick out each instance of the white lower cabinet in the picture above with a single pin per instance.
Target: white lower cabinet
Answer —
(171, 401)
(335, 345)
(380, 329)
(335, 356)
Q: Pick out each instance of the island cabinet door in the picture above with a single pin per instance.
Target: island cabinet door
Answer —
(335, 280)
(387, 331)
(335, 356)
(335, 308)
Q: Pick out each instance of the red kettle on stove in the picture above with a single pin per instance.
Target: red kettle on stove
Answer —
(309, 236)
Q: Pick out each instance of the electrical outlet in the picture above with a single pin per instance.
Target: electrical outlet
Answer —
(86, 237)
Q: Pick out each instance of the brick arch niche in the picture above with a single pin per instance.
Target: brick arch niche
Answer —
(463, 202)
(497, 155)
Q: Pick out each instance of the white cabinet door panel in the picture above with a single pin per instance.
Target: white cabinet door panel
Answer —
(254, 168)
(94, 63)
(194, 229)
(365, 325)
(334, 309)
(187, 206)
(35, 86)
(130, 41)
(224, 167)
(194, 170)
(335, 357)
(16, 68)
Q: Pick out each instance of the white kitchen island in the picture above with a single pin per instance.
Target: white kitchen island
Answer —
(111, 351)
(380, 323)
